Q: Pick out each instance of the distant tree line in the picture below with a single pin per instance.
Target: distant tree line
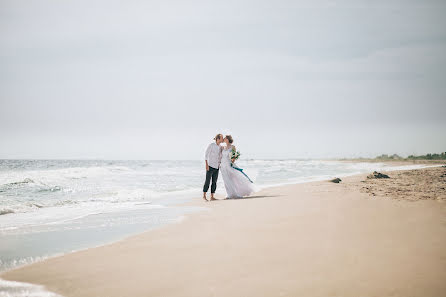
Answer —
(441, 156)
(389, 157)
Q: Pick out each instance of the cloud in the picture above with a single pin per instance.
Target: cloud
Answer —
(86, 73)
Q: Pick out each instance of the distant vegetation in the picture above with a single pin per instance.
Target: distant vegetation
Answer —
(441, 156)
(391, 157)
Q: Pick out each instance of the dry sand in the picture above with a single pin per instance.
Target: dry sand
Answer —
(413, 185)
(313, 239)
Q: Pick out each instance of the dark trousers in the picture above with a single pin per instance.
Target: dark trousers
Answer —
(211, 173)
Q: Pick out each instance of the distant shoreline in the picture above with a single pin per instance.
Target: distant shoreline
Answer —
(430, 158)
(391, 161)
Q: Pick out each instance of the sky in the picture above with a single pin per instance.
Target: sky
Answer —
(158, 79)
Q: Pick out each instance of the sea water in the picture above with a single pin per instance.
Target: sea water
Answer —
(50, 207)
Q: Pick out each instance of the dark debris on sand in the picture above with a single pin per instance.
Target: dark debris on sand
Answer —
(376, 174)
(336, 180)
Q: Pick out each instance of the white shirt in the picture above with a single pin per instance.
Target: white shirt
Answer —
(213, 155)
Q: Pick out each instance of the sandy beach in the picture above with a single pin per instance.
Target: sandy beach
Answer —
(361, 237)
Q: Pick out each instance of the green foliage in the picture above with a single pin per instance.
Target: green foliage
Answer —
(441, 156)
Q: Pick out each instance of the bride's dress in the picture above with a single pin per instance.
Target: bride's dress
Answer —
(236, 183)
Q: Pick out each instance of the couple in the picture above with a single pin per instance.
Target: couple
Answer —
(237, 183)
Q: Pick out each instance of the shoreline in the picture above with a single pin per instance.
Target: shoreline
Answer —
(23, 256)
(392, 166)
(394, 161)
(41, 273)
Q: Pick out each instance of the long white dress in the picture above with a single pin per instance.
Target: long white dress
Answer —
(236, 183)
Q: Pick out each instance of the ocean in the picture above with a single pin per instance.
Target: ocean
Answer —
(51, 207)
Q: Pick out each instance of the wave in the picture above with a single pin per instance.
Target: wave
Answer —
(50, 189)
(5, 211)
(68, 216)
(25, 181)
(18, 289)
(29, 183)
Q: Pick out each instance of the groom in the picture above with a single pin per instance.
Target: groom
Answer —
(212, 159)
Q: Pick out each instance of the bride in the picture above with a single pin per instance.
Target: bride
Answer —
(237, 183)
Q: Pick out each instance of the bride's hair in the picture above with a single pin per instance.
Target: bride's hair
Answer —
(229, 137)
(218, 136)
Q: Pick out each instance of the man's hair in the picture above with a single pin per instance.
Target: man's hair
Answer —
(218, 136)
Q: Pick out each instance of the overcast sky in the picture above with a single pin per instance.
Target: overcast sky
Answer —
(158, 79)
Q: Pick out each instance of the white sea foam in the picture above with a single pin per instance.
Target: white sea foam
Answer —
(18, 289)
(23, 222)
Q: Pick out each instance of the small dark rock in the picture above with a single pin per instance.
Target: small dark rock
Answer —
(336, 180)
(377, 175)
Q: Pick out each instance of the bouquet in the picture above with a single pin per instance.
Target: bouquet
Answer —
(234, 154)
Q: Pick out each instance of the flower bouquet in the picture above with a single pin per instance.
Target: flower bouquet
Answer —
(234, 154)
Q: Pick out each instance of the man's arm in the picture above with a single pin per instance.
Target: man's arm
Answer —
(206, 157)
(220, 156)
